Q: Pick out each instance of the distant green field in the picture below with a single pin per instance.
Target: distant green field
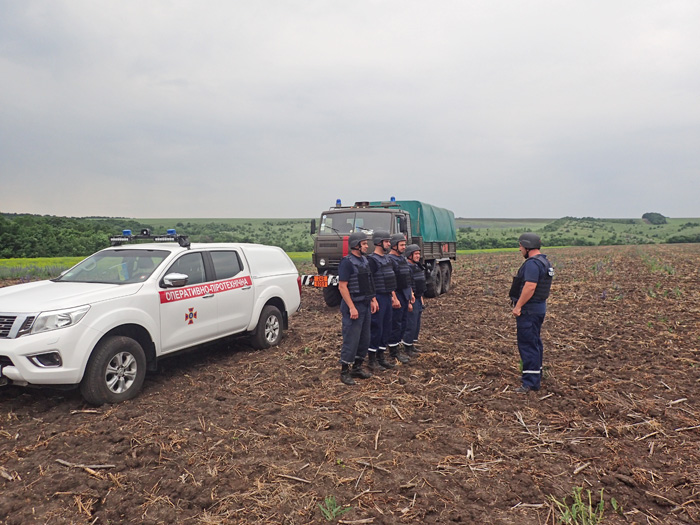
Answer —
(531, 224)
(573, 231)
(174, 222)
(36, 268)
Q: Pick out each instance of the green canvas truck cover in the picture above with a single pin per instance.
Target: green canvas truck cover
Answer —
(430, 222)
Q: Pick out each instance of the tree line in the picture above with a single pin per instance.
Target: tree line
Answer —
(25, 235)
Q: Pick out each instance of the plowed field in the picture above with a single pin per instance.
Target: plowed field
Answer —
(226, 434)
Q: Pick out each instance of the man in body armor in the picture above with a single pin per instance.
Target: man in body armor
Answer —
(357, 290)
(385, 288)
(404, 294)
(415, 310)
(528, 295)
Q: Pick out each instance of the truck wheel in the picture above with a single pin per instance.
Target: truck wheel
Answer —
(269, 330)
(332, 296)
(434, 283)
(446, 272)
(115, 371)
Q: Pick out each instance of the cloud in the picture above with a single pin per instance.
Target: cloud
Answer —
(181, 109)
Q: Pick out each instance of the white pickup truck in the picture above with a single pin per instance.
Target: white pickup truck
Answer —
(105, 321)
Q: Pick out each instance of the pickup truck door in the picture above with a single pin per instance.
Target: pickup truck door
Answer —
(237, 295)
(188, 314)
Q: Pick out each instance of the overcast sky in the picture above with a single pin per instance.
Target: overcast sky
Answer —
(227, 108)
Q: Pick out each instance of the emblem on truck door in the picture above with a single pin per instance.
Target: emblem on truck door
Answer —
(190, 316)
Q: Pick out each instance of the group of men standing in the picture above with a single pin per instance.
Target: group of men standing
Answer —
(382, 303)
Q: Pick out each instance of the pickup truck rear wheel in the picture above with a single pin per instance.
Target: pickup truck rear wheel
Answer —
(115, 371)
(332, 296)
(269, 330)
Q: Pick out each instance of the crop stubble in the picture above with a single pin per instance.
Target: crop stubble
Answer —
(229, 435)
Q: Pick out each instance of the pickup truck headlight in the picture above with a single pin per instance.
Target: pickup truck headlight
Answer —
(47, 321)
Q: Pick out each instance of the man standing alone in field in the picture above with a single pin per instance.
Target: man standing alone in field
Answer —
(528, 295)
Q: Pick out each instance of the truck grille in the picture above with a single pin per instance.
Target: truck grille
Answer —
(5, 361)
(6, 322)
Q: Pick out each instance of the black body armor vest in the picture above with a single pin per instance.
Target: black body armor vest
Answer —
(418, 279)
(402, 271)
(544, 284)
(360, 284)
(383, 273)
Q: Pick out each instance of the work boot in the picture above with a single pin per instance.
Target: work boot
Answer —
(410, 350)
(345, 376)
(383, 363)
(394, 352)
(358, 371)
(373, 363)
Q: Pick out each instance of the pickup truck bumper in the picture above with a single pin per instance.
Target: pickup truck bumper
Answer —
(67, 346)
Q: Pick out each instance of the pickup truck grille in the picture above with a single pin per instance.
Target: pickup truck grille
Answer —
(5, 361)
(6, 322)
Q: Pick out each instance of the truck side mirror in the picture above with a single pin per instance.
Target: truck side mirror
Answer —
(313, 226)
(402, 225)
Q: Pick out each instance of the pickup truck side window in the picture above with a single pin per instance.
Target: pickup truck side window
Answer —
(226, 264)
(192, 265)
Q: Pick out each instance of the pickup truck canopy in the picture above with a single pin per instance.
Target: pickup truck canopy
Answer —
(431, 223)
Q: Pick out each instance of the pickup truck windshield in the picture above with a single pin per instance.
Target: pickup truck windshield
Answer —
(347, 222)
(118, 266)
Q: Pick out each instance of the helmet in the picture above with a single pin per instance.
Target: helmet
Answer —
(530, 241)
(379, 236)
(410, 249)
(397, 238)
(355, 239)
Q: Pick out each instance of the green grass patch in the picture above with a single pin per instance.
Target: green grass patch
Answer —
(580, 509)
(36, 268)
(300, 257)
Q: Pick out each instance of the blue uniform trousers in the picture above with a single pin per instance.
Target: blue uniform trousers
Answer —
(398, 320)
(413, 323)
(530, 348)
(381, 323)
(355, 331)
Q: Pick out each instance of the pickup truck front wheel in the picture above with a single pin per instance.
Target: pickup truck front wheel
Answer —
(269, 330)
(115, 371)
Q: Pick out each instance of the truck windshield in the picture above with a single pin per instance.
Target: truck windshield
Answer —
(347, 222)
(118, 266)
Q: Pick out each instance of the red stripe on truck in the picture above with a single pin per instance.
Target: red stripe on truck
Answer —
(198, 290)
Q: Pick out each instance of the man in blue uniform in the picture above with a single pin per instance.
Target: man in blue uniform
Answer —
(415, 310)
(357, 290)
(404, 294)
(384, 286)
(528, 295)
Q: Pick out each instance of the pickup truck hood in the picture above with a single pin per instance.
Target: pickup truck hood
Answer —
(42, 296)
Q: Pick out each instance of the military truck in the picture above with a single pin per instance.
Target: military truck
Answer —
(430, 227)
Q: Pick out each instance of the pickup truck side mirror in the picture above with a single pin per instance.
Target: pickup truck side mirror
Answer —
(313, 226)
(175, 280)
